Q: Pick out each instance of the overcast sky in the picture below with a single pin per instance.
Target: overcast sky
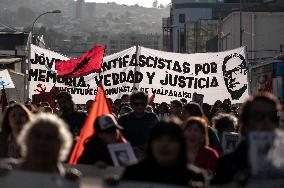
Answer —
(144, 3)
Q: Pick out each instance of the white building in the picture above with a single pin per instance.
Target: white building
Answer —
(262, 33)
(184, 11)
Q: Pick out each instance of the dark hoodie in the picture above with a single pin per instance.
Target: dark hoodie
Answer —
(95, 150)
(150, 171)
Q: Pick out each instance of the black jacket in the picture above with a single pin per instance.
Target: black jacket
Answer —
(150, 172)
(95, 150)
(231, 165)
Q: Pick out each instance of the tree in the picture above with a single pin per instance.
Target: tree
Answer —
(161, 6)
(155, 4)
(169, 5)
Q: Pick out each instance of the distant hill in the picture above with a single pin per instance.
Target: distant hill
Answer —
(108, 17)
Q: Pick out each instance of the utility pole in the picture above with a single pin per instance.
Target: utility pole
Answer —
(241, 24)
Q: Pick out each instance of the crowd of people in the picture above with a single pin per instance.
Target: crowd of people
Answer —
(178, 143)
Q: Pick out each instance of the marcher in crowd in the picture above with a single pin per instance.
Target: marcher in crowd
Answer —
(124, 110)
(259, 113)
(73, 118)
(194, 109)
(183, 101)
(32, 108)
(228, 102)
(46, 109)
(165, 161)
(88, 105)
(215, 108)
(125, 98)
(224, 123)
(149, 109)
(117, 103)
(198, 151)
(163, 111)
(176, 108)
(45, 141)
(138, 124)
(14, 118)
(95, 148)
(206, 108)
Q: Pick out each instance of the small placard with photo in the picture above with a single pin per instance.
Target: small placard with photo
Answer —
(122, 154)
(260, 144)
(267, 154)
(230, 141)
(198, 98)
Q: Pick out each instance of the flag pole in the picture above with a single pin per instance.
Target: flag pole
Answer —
(137, 68)
(102, 65)
(28, 63)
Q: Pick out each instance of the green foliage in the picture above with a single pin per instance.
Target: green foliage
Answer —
(155, 4)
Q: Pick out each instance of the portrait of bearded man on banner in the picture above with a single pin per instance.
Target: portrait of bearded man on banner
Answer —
(234, 68)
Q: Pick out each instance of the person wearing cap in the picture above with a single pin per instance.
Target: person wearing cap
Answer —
(95, 148)
(67, 112)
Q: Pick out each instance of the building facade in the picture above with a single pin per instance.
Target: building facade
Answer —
(197, 35)
(262, 34)
(13, 57)
(188, 11)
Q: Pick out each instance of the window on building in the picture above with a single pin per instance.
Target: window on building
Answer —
(182, 18)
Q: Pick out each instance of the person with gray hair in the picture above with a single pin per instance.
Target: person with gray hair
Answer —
(224, 123)
(45, 142)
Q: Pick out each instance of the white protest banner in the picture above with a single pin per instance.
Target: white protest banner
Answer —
(43, 77)
(169, 75)
(174, 76)
(118, 74)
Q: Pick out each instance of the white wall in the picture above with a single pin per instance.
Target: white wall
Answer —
(261, 31)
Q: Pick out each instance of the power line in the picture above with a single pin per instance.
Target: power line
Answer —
(14, 29)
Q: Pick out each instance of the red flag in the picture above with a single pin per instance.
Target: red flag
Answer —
(82, 66)
(3, 100)
(98, 108)
(151, 100)
(269, 83)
